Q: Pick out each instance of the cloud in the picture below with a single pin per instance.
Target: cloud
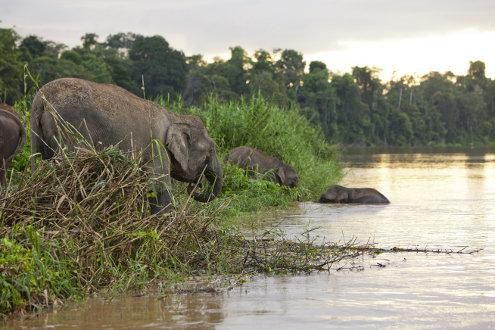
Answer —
(211, 26)
(416, 56)
(390, 34)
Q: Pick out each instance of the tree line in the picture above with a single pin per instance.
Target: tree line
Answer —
(351, 108)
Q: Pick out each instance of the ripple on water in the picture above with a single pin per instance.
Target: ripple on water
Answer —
(438, 201)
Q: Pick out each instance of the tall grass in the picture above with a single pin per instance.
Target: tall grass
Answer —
(78, 224)
(22, 108)
(284, 133)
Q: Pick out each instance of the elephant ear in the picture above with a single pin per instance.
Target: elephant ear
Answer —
(280, 174)
(176, 142)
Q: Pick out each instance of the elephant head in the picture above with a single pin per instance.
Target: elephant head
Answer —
(193, 155)
(335, 194)
(287, 176)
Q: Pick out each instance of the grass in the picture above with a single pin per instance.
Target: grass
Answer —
(78, 224)
(284, 133)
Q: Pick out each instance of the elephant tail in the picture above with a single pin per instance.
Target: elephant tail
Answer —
(38, 120)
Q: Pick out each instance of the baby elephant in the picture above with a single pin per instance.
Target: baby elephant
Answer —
(339, 194)
(254, 160)
(12, 138)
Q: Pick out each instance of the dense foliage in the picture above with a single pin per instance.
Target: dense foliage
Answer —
(284, 133)
(53, 245)
(352, 108)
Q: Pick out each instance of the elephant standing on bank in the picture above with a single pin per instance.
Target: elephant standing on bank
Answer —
(254, 160)
(340, 194)
(12, 139)
(171, 145)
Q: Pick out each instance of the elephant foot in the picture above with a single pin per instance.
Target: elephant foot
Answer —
(159, 204)
(160, 210)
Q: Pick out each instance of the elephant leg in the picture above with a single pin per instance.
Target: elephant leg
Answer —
(160, 199)
(3, 178)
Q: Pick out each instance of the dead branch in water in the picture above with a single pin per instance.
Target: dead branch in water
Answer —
(375, 250)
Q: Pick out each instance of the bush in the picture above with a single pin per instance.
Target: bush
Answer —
(30, 276)
(284, 133)
(78, 224)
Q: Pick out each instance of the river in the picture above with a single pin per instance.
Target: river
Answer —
(440, 200)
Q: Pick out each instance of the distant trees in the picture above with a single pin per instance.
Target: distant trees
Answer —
(125, 59)
(10, 66)
(318, 99)
(162, 68)
(350, 108)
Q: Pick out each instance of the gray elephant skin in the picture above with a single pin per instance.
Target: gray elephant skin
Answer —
(254, 160)
(170, 145)
(340, 194)
(12, 139)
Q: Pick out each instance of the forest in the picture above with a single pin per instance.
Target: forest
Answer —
(355, 108)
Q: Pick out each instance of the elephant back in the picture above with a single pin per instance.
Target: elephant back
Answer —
(104, 114)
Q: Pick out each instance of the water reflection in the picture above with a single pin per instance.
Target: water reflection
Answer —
(444, 200)
(420, 159)
(200, 311)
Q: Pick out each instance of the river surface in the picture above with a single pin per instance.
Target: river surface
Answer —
(438, 200)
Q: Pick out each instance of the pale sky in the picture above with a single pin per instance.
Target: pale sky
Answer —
(398, 36)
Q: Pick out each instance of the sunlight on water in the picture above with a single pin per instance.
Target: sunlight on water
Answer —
(442, 200)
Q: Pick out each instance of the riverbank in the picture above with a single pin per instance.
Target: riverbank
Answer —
(68, 233)
(405, 289)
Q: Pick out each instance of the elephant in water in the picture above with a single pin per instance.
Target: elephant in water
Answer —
(12, 139)
(171, 145)
(254, 160)
(339, 194)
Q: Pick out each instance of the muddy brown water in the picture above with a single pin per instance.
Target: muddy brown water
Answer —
(439, 200)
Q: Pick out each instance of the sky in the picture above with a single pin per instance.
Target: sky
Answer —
(397, 36)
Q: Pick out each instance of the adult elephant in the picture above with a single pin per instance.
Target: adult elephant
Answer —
(171, 145)
(254, 160)
(340, 194)
(12, 139)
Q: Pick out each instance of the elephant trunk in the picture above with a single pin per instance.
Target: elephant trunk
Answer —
(214, 175)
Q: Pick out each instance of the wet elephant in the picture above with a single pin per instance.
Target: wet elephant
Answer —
(12, 139)
(171, 145)
(340, 194)
(254, 160)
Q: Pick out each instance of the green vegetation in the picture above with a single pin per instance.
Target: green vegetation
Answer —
(29, 272)
(353, 108)
(284, 133)
(78, 224)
